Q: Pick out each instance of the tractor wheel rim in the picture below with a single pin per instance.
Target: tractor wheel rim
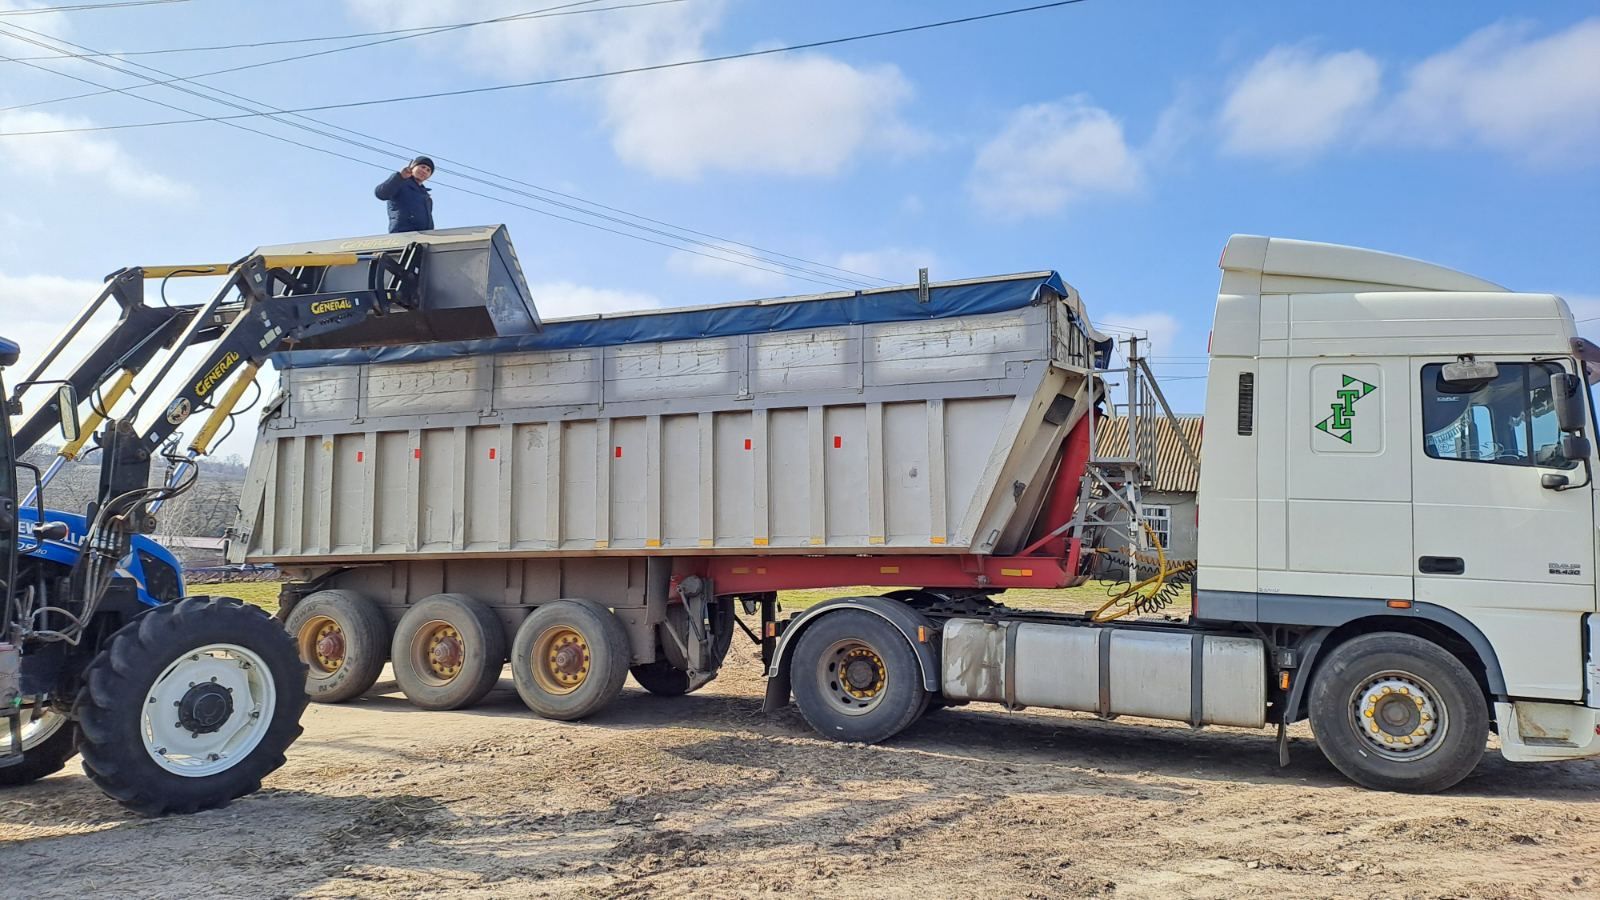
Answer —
(1399, 716)
(438, 652)
(322, 645)
(37, 727)
(561, 659)
(853, 675)
(208, 710)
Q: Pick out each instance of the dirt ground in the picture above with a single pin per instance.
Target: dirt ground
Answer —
(704, 796)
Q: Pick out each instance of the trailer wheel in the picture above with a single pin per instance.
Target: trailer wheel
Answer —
(49, 740)
(343, 639)
(1396, 712)
(449, 651)
(662, 678)
(856, 678)
(569, 659)
(190, 705)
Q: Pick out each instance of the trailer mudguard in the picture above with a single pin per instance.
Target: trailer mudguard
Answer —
(919, 632)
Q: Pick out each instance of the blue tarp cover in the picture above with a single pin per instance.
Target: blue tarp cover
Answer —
(755, 317)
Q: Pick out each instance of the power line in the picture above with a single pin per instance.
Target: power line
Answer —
(569, 79)
(545, 12)
(832, 281)
(252, 45)
(78, 7)
(855, 279)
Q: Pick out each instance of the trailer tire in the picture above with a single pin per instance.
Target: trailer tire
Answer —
(856, 677)
(569, 659)
(245, 700)
(448, 651)
(661, 678)
(41, 756)
(343, 639)
(1396, 712)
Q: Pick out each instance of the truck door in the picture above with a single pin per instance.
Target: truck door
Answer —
(1512, 556)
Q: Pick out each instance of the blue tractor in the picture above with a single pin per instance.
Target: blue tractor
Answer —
(180, 703)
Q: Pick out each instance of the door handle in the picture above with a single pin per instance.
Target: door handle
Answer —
(1441, 565)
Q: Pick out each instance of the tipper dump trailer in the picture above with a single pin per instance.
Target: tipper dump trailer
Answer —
(1396, 511)
(180, 703)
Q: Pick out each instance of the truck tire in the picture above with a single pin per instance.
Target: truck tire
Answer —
(190, 705)
(661, 678)
(49, 741)
(1396, 712)
(856, 678)
(449, 651)
(569, 659)
(343, 639)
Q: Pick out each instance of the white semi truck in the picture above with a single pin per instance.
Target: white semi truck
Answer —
(1397, 535)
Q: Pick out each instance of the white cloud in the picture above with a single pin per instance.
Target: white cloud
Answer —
(73, 157)
(1293, 102)
(554, 299)
(1051, 154)
(793, 114)
(700, 266)
(1533, 98)
(897, 264)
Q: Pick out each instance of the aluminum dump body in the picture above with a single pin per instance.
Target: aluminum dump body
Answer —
(893, 421)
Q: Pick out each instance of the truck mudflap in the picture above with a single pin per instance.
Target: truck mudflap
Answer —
(918, 629)
(1531, 731)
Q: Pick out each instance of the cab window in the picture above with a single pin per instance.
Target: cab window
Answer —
(1507, 420)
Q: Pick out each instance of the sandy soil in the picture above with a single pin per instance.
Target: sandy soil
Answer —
(703, 796)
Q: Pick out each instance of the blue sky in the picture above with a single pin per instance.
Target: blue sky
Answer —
(1120, 143)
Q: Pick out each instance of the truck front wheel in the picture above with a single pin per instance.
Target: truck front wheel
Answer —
(190, 705)
(856, 678)
(1396, 712)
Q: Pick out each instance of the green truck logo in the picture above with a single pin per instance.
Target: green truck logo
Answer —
(1340, 423)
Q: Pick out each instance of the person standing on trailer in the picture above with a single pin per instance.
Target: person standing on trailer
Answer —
(410, 204)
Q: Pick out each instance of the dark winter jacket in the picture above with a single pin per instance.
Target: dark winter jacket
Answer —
(410, 204)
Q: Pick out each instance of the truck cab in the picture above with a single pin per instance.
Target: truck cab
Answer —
(1397, 447)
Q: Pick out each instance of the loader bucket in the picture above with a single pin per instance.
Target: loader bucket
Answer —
(472, 287)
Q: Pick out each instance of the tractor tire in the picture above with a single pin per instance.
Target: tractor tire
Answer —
(569, 659)
(855, 678)
(190, 705)
(448, 652)
(343, 639)
(1396, 712)
(48, 744)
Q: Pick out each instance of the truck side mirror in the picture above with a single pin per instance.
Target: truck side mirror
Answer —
(67, 408)
(1574, 446)
(1566, 393)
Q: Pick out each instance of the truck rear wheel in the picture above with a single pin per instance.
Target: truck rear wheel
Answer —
(569, 659)
(49, 740)
(449, 651)
(343, 639)
(1396, 712)
(190, 705)
(856, 678)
